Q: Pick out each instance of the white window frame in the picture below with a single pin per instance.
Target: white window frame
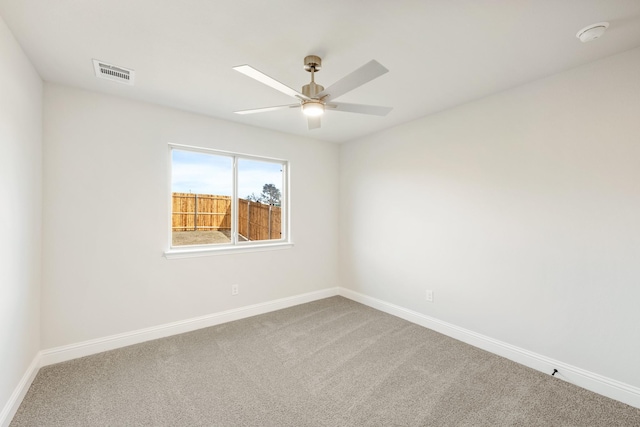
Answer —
(234, 246)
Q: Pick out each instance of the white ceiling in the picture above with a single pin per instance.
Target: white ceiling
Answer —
(440, 53)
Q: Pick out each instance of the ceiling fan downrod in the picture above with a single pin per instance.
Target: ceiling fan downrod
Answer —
(312, 63)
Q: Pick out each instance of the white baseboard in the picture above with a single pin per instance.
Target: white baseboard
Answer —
(597, 383)
(591, 381)
(20, 391)
(86, 348)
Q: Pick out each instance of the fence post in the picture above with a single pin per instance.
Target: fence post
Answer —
(269, 222)
(195, 214)
(248, 220)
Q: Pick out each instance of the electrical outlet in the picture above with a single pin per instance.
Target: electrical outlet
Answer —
(429, 296)
(234, 289)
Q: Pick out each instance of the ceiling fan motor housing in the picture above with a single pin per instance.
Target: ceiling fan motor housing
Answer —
(312, 89)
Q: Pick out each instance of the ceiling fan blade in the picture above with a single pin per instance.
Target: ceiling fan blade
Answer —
(362, 75)
(265, 109)
(359, 108)
(314, 122)
(249, 71)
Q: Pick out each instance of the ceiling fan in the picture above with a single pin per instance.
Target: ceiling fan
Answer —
(315, 99)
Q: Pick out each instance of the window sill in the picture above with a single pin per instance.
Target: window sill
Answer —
(200, 251)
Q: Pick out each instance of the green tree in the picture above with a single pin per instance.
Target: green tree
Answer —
(270, 195)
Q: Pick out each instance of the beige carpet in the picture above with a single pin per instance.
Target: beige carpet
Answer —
(332, 362)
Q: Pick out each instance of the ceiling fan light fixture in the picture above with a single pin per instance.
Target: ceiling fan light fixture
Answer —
(312, 108)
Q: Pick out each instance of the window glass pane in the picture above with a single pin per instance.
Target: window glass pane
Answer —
(259, 200)
(201, 186)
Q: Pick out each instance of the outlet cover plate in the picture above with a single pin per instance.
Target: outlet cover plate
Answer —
(429, 296)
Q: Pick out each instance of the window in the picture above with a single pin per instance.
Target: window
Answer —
(226, 201)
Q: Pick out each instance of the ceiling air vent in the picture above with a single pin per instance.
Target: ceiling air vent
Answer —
(113, 72)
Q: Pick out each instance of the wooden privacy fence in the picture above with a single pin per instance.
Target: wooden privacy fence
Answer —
(257, 221)
(191, 212)
(204, 212)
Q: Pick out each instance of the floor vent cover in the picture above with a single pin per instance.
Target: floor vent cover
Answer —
(113, 72)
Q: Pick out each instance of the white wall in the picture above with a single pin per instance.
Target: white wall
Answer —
(106, 206)
(520, 211)
(20, 213)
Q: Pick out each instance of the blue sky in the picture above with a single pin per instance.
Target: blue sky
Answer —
(204, 173)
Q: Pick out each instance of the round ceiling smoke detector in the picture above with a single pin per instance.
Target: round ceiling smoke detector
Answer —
(592, 32)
